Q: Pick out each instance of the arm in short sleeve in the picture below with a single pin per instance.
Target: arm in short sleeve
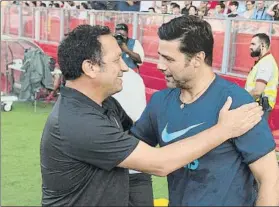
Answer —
(145, 128)
(97, 141)
(264, 72)
(139, 50)
(258, 141)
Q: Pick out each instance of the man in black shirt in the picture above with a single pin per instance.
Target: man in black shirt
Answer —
(86, 149)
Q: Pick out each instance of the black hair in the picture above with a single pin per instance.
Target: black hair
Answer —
(122, 26)
(264, 38)
(85, 6)
(43, 4)
(152, 8)
(79, 45)
(221, 4)
(176, 6)
(56, 5)
(195, 35)
(34, 3)
(252, 2)
(235, 3)
(194, 8)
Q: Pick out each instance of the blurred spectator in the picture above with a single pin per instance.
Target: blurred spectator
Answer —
(151, 10)
(203, 4)
(211, 13)
(164, 9)
(273, 10)
(202, 12)
(84, 6)
(103, 5)
(128, 6)
(185, 10)
(250, 7)
(241, 7)
(83, 13)
(219, 9)
(56, 5)
(132, 50)
(43, 4)
(193, 10)
(145, 5)
(233, 7)
(172, 4)
(176, 9)
(69, 5)
(261, 12)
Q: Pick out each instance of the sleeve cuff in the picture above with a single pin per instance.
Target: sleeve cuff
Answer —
(253, 159)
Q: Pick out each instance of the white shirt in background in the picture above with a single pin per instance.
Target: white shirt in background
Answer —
(132, 97)
(145, 5)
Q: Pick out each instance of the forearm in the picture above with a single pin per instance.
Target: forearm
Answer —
(134, 56)
(179, 154)
(256, 94)
(268, 195)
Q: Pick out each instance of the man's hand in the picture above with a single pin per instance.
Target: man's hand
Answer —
(124, 47)
(135, 56)
(131, 3)
(237, 122)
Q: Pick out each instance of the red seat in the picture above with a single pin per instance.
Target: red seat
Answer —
(54, 32)
(218, 49)
(74, 22)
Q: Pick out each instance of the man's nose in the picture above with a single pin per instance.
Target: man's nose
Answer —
(161, 66)
(124, 67)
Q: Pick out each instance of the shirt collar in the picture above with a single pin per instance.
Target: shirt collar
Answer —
(75, 94)
(268, 53)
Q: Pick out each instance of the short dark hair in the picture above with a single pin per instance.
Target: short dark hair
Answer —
(263, 38)
(152, 8)
(56, 5)
(122, 26)
(176, 6)
(85, 5)
(194, 33)
(221, 4)
(252, 2)
(193, 7)
(80, 44)
(235, 3)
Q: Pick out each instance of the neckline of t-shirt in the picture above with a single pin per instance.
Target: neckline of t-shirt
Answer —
(201, 97)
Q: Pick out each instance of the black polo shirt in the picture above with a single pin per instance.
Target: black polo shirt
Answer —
(81, 146)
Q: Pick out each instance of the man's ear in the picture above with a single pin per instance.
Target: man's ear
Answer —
(90, 69)
(199, 59)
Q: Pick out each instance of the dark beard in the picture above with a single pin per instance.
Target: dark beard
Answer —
(256, 53)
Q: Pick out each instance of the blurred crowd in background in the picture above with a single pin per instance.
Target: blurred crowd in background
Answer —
(258, 10)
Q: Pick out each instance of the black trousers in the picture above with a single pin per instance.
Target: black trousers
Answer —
(140, 192)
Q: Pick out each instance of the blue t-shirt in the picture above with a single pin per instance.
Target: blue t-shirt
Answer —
(222, 177)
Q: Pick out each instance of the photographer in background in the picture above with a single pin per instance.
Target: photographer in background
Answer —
(262, 80)
(132, 50)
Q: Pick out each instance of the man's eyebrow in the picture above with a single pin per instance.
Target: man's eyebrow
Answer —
(165, 56)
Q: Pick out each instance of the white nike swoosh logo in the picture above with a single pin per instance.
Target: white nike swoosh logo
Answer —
(166, 137)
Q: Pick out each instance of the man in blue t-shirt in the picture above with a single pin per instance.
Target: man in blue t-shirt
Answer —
(224, 176)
